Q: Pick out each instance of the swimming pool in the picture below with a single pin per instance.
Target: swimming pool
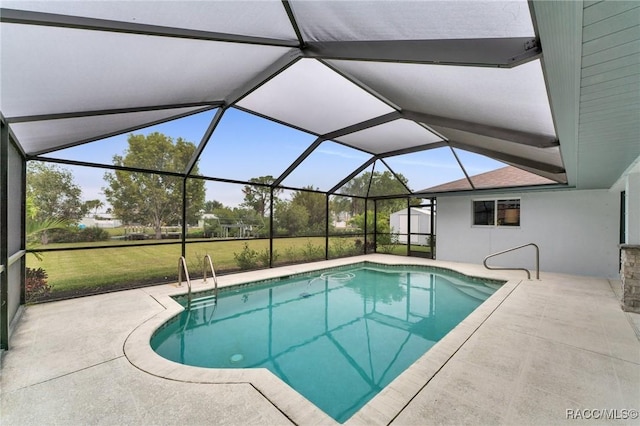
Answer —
(337, 336)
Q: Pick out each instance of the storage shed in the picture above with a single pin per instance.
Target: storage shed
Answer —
(420, 225)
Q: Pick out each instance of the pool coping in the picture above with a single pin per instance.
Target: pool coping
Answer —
(381, 409)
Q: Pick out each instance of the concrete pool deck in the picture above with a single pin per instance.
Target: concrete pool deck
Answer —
(536, 352)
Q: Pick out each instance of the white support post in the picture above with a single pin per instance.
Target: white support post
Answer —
(632, 197)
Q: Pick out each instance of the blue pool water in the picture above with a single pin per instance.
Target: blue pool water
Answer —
(338, 337)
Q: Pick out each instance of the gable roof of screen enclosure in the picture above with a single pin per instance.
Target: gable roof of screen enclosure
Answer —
(386, 78)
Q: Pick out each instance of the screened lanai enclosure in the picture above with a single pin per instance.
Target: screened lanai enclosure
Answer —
(263, 133)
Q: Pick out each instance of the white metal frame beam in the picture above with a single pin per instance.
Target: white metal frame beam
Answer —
(80, 114)
(489, 52)
(516, 136)
(205, 139)
(509, 158)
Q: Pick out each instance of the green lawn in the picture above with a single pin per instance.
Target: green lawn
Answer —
(75, 272)
(92, 270)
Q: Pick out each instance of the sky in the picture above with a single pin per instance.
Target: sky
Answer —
(245, 146)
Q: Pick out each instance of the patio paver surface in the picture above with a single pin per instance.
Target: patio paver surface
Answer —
(540, 352)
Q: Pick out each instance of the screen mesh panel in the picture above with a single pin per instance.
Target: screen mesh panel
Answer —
(43, 135)
(239, 146)
(412, 20)
(251, 18)
(544, 155)
(311, 96)
(327, 165)
(426, 168)
(70, 70)
(77, 72)
(513, 98)
(392, 136)
(475, 164)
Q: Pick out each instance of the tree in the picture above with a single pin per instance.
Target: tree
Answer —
(370, 185)
(53, 200)
(152, 198)
(315, 205)
(340, 203)
(292, 219)
(382, 222)
(53, 193)
(36, 228)
(386, 183)
(93, 205)
(252, 222)
(257, 197)
(211, 205)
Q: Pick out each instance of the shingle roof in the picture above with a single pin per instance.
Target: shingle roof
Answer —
(504, 177)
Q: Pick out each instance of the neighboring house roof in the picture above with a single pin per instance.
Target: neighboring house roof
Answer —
(504, 177)
(414, 211)
(208, 216)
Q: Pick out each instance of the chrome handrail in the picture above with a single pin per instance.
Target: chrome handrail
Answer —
(182, 267)
(15, 257)
(484, 262)
(213, 273)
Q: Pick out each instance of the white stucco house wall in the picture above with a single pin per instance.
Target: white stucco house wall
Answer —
(577, 231)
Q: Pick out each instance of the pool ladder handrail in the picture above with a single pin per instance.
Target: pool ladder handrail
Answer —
(213, 273)
(495, 268)
(182, 268)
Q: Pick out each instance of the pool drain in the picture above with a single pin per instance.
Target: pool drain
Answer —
(236, 358)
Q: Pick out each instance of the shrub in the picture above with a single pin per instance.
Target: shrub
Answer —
(93, 234)
(340, 247)
(198, 233)
(195, 262)
(387, 242)
(247, 258)
(291, 254)
(369, 248)
(36, 284)
(264, 257)
(312, 252)
(76, 235)
(337, 248)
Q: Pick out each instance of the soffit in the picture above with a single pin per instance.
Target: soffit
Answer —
(609, 121)
(591, 59)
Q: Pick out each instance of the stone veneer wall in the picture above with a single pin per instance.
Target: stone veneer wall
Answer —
(630, 274)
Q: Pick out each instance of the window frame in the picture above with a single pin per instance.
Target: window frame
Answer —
(496, 220)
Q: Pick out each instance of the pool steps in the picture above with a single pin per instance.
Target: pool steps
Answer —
(182, 269)
(208, 262)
